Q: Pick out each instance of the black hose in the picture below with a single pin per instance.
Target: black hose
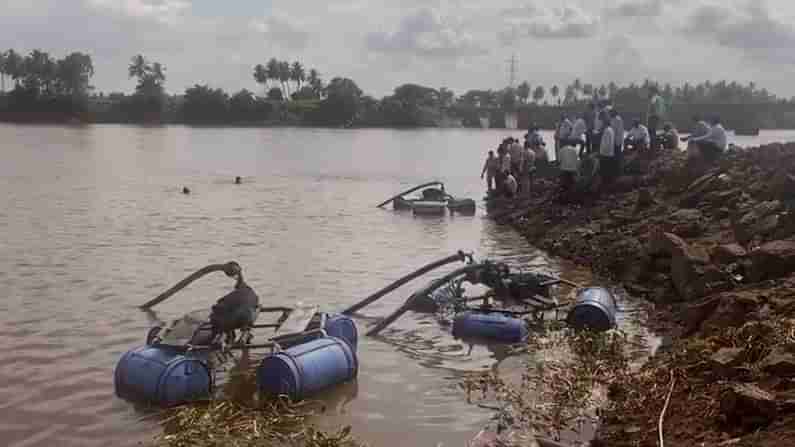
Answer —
(460, 256)
(231, 269)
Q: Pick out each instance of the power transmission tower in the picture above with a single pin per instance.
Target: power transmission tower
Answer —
(512, 71)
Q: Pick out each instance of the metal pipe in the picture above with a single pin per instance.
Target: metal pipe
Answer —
(230, 268)
(424, 185)
(410, 301)
(460, 256)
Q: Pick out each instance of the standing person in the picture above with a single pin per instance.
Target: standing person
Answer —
(528, 169)
(490, 168)
(578, 134)
(499, 176)
(569, 166)
(700, 127)
(562, 133)
(590, 119)
(638, 136)
(617, 124)
(713, 144)
(656, 114)
(607, 153)
(515, 149)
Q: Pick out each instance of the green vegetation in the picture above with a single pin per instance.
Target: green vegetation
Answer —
(46, 89)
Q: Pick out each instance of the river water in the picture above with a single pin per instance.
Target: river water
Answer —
(94, 223)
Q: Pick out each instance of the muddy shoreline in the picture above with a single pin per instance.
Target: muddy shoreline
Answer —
(712, 247)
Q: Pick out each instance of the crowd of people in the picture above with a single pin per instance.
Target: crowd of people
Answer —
(596, 141)
(510, 173)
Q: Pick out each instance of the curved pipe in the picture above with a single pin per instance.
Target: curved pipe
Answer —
(460, 256)
(230, 268)
(424, 185)
(428, 289)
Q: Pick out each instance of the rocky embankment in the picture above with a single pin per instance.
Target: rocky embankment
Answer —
(713, 247)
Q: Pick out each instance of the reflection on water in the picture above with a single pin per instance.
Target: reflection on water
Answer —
(95, 224)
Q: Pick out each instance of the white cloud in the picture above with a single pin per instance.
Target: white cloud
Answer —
(638, 8)
(282, 31)
(425, 33)
(753, 30)
(165, 11)
(543, 22)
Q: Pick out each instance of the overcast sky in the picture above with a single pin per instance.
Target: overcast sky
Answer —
(460, 44)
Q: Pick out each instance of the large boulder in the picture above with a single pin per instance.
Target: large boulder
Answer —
(727, 254)
(716, 314)
(687, 222)
(760, 221)
(748, 405)
(726, 362)
(772, 260)
(693, 274)
(665, 244)
(780, 363)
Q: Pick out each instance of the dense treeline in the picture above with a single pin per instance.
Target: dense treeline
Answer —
(291, 94)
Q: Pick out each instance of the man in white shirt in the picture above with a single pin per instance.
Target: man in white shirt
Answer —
(577, 135)
(714, 143)
(515, 149)
(638, 137)
(562, 133)
(617, 123)
(569, 166)
(607, 155)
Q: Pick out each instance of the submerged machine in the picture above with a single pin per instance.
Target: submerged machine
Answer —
(511, 301)
(307, 350)
(433, 200)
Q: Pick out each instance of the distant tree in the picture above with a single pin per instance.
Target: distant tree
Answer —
(508, 98)
(203, 104)
(538, 94)
(275, 94)
(577, 86)
(446, 97)
(555, 91)
(315, 82)
(261, 75)
(588, 90)
(243, 106)
(272, 69)
(523, 91)
(297, 74)
(570, 96)
(612, 88)
(305, 93)
(138, 67)
(602, 91)
(342, 102)
(3, 72)
(73, 74)
(284, 77)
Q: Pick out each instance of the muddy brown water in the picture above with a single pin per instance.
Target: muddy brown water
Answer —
(93, 223)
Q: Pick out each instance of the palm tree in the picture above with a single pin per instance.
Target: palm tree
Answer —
(158, 73)
(538, 94)
(272, 69)
(555, 91)
(297, 74)
(261, 76)
(3, 72)
(138, 67)
(284, 77)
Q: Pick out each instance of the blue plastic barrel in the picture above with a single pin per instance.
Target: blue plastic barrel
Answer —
(342, 326)
(493, 326)
(161, 375)
(303, 370)
(594, 309)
